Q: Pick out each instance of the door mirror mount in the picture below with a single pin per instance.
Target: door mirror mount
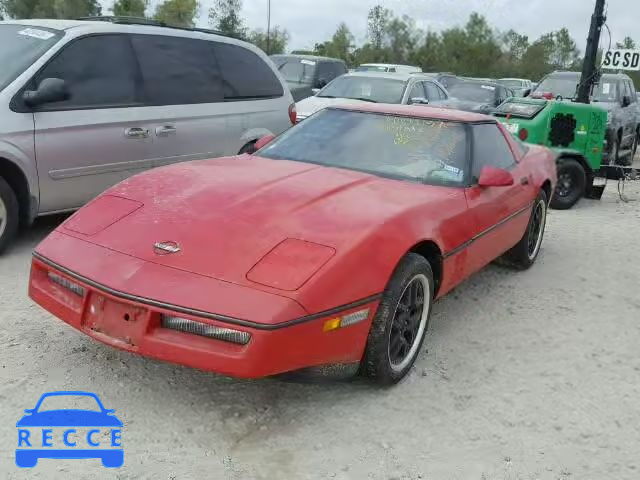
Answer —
(495, 177)
(50, 90)
(419, 101)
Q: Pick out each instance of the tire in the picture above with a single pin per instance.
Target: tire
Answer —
(248, 148)
(9, 214)
(395, 329)
(572, 182)
(628, 160)
(525, 252)
(614, 153)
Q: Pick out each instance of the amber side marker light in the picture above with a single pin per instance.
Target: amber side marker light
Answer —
(345, 320)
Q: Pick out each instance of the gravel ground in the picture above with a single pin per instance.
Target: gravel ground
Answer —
(530, 375)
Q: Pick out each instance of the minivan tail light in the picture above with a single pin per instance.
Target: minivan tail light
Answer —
(293, 115)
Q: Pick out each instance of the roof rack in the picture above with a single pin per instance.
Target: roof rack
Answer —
(123, 20)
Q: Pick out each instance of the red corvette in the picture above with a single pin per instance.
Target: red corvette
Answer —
(326, 246)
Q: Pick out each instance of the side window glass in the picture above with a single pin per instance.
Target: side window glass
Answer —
(417, 91)
(490, 147)
(245, 74)
(177, 71)
(432, 92)
(99, 71)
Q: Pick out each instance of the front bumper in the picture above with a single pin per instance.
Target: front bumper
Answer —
(133, 323)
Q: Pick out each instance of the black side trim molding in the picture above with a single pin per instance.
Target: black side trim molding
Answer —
(466, 244)
(202, 313)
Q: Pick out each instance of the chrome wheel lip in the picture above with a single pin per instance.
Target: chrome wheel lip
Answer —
(541, 208)
(3, 217)
(426, 305)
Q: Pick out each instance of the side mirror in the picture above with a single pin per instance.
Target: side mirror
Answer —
(495, 177)
(315, 91)
(419, 101)
(320, 83)
(50, 90)
(626, 101)
(261, 142)
(526, 93)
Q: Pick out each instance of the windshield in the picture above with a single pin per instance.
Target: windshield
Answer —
(380, 90)
(296, 70)
(564, 87)
(425, 150)
(20, 46)
(474, 92)
(606, 91)
(511, 83)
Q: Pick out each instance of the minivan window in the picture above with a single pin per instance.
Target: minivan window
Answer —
(296, 70)
(177, 71)
(20, 46)
(99, 71)
(245, 74)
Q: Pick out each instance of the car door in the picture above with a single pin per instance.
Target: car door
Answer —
(501, 214)
(97, 137)
(182, 88)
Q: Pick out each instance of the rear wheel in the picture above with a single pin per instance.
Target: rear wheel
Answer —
(525, 252)
(8, 214)
(401, 322)
(572, 181)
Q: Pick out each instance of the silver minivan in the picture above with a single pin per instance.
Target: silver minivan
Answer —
(86, 104)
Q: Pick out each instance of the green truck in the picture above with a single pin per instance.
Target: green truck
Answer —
(575, 131)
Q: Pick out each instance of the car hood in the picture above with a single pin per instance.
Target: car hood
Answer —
(311, 105)
(69, 418)
(226, 214)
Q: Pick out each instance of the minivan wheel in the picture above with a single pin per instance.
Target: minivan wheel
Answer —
(8, 214)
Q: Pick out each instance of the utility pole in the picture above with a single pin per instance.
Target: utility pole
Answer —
(588, 77)
(268, 27)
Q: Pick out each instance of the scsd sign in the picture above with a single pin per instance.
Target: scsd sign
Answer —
(621, 59)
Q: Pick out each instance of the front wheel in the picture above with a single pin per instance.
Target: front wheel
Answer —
(8, 214)
(572, 182)
(400, 324)
(525, 252)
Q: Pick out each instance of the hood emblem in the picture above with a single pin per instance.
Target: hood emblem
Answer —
(166, 248)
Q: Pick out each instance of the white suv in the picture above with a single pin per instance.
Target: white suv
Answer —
(85, 104)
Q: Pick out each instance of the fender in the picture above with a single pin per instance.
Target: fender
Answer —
(14, 154)
(253, 134)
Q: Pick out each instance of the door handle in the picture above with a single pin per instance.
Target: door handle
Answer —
(165, 131)
(136, 132)
(524, 181)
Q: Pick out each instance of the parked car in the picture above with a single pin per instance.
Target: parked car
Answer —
(95, 102)
(307, 74)
(394, 204)
(477, 96)
(616, 93)
(445, 79)
(520, 86)
(388, 67)
(374, 87)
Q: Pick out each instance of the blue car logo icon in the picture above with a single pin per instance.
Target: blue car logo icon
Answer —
(85, 433)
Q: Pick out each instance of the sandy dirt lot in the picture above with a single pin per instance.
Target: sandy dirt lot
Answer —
(524, 375)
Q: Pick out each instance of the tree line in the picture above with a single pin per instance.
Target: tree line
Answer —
(474, 49)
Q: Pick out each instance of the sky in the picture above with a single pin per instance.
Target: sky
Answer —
(311, 21)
